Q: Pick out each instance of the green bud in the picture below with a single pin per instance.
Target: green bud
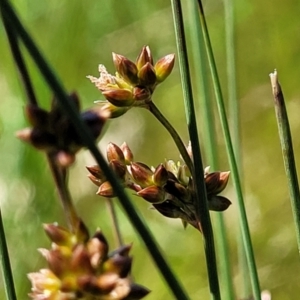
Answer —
(144, 57)
(111, 110)
(147, 75)
(119, 97)
(164, 67)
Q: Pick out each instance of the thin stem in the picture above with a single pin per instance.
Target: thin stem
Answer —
(64, 194)
(287, 151)
(234, 117)
(232, 162)
(200, 58)
(201, 202)
(87, 139)
(14, 46)
(180, 145)
(5, 265)
(113, 215)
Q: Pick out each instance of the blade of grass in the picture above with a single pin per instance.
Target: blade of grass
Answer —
(5, 265)
(287, 151)
(201, 203)
(234, 117)
(211, 146)
(232, 162)
(87, 139)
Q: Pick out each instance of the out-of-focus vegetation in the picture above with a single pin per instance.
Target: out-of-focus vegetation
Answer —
(76, 36)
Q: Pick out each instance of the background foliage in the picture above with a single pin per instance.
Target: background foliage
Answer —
(78, 35)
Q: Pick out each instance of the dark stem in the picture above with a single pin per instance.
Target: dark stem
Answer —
(198, 175)
(180, 145)
(5, 263)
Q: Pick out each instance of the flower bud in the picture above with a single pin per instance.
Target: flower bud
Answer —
(111, 110)
(96, 171)
(147, 75)
(80, 260)
(164, 67)
(118, 264)
(144, 57)
(59, 235)
(127, 153)
(119, 97)
(184, 174)
(141, 94)
(37, 116)
(118, 168)
(152, 194)
(160, 175)
(106, 190)
(141, 174)
(218, 203)
(114, 152)
(94, 122)
(126, 68)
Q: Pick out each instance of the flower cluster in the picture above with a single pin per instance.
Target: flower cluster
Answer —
(80, 267)
(54, 132)
(169, 187)
(134, 82)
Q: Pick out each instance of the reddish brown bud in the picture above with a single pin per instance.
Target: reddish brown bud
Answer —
(153, 194)
(147, 75)
(144, 57)
(218, 203)
(141, 94)
(160, 175)
(127, 153)
(118, 168)
(114, 152)
(126, 68)
(106, 190)
(119, 97)
(118, 264)
(59, 235)
(141, 173)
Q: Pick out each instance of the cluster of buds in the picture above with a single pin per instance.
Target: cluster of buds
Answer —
(169, 187)
(134, 82)
(54, 132)
(80, 267)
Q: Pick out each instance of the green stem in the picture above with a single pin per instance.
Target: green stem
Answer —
(114, 219)
(211, 147)
(287, 151)
(64, 194)
(201, 201)
(5, 265)
(86, 137)
(180, 145)
(232, 162)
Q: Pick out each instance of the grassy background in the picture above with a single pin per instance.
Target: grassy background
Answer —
(76, 36)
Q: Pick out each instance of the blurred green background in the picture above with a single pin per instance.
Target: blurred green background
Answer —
(76, 36)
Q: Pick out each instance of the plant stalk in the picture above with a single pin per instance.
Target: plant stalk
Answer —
(201, 202)
(231, 157)
(287, 151)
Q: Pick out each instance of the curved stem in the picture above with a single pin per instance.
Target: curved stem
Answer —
(59, 176)
(180, 145)
(112, 211)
